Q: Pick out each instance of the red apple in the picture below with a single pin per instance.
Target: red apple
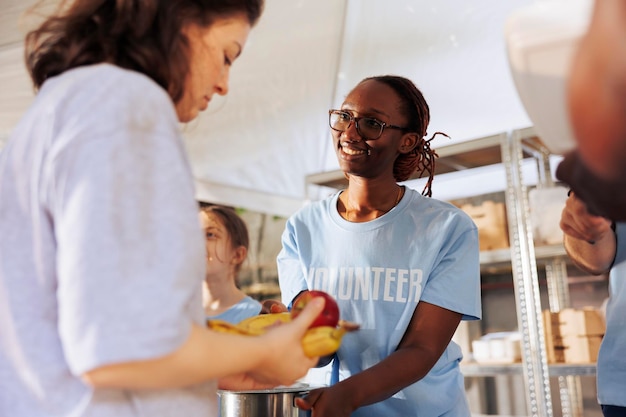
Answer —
(329, 315)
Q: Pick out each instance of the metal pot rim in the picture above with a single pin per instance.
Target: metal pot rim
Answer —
(298, 387)
(265, 391)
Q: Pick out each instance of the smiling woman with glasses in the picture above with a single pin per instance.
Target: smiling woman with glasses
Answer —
(402, 265)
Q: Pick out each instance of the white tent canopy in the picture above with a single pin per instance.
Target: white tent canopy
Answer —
(254, 148)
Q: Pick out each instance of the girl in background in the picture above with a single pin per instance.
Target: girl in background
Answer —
(227, 243)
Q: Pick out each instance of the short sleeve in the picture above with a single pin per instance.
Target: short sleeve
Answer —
(454, 283)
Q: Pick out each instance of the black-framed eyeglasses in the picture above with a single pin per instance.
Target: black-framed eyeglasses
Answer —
(368, 127)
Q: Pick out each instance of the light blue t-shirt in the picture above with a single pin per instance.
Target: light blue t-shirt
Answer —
(423, 249)
(611, 364)
(247, 307)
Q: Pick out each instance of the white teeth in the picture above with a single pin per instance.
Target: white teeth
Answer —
(349, 151)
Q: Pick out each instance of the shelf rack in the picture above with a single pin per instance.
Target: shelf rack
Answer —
(526, 282)
(543, 255)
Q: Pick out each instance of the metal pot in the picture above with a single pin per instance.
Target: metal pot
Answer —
(275, 402)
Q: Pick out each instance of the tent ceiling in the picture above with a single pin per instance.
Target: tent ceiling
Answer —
(255, 147)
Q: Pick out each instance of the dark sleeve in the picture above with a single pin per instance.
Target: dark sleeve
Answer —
(603, 198)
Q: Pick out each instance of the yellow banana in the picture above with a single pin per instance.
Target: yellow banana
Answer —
(224, 327)
(325, 340)
(322, 340)
(317, 341)
(260, 323)
(252, 326)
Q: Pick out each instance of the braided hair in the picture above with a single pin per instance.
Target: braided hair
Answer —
(421, 158)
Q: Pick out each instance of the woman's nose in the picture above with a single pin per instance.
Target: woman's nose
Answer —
(352, 133)
(221, 87)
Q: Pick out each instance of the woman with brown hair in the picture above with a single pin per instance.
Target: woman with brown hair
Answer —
(402, 265)
(101, 256)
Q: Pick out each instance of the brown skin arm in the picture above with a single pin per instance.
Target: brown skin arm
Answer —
(597, 92)
(429, 333)
(589, 240)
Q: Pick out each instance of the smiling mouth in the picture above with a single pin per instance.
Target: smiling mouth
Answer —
(352, 152)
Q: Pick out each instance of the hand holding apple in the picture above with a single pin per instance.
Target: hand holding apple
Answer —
(322, 337)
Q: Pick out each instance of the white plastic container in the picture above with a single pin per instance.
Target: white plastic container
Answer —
(546, 206)
(501, 347)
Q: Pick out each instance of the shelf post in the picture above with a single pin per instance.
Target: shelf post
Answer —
(526, 282)
(558, 292)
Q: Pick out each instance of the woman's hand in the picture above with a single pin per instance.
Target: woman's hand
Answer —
(285, 361)
(589, 240)
(241, 382)
(261, 379)
(578, 223)
(326, 402)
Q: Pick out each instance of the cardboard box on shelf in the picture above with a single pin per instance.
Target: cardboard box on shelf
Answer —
(490, 219)
(575, 322)
(556, 354)
(578, 349)
(553, 354)
(573, 335)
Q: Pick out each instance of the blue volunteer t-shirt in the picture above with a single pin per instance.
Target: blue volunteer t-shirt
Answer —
(423, 249)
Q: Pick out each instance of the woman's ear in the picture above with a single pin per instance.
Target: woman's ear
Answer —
(240, 255)
(408, 142)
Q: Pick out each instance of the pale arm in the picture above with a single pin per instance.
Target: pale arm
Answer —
(275, 358)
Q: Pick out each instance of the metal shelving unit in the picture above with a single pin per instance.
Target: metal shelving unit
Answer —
(543, 255)
(526, 282)
(510, 149)
(524, 258)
